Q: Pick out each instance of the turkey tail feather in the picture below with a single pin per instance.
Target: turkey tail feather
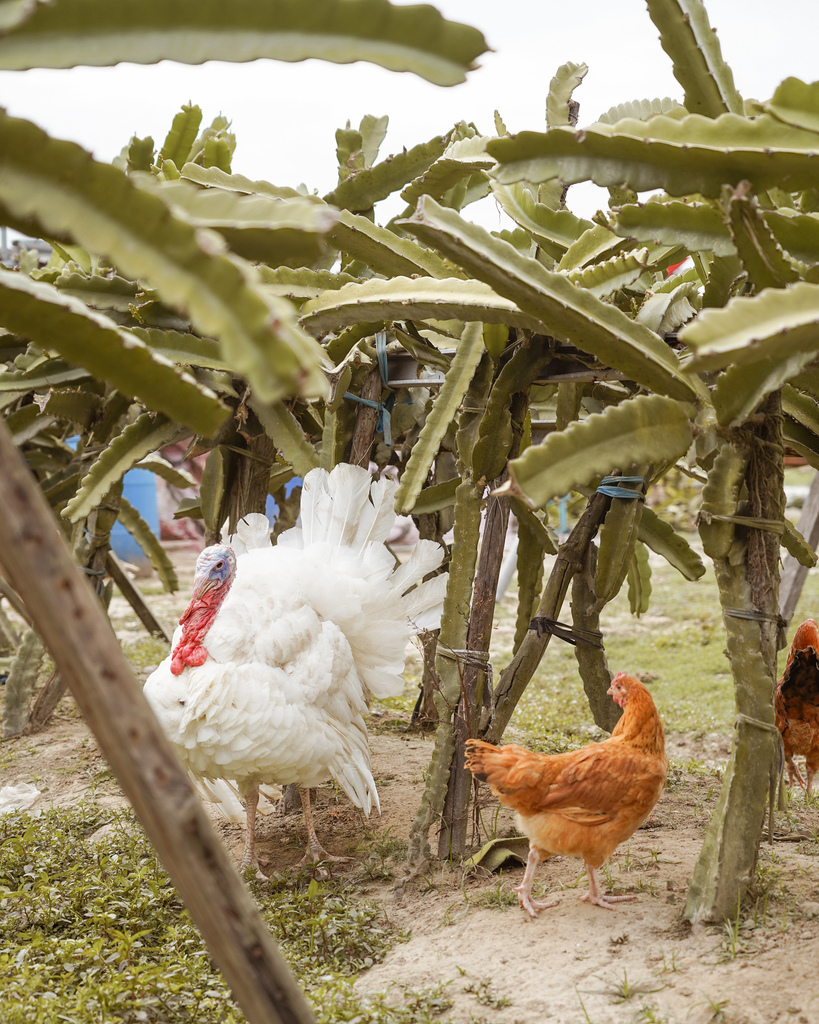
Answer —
(253, 531)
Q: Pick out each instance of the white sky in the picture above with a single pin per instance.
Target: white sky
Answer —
(285, 115)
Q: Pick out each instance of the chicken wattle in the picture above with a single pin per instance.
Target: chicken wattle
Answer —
(282, 647)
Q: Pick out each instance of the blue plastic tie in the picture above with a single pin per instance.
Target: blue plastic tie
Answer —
(381, 353)
(609, 487)
(563, 515)
(383, 424)
(384, 409)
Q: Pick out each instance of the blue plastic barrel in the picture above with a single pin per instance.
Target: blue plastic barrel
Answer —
(271, 507)
(139, 488)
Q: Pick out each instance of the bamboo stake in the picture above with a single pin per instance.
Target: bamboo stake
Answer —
(13, 599)
(116, 570)
(364, 431)
(479, 634)
(452, 839)
(79, 637)
(793, 573)
(516, 676)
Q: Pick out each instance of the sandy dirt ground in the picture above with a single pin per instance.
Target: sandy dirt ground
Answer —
(574, 963)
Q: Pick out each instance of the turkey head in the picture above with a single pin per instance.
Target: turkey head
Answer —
(214, 576)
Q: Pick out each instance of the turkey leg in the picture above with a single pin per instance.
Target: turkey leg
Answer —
(315, 851)
(250, 858)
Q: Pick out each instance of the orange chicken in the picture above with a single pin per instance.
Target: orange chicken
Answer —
(796, 703)
(586, 802)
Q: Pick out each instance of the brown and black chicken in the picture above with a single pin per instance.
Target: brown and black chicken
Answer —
(796, 703)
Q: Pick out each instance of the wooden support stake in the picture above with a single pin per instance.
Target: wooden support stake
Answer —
(793, 573)
(517, 674)
(74, 628)
(116, 570)
(361, 444)
(13, 599)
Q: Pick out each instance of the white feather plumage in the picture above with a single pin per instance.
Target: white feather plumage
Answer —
(309, 630)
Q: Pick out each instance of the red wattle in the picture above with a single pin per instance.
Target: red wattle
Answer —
(196, 620)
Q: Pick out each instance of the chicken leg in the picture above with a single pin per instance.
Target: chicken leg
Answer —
(524, 890)
(595, 896)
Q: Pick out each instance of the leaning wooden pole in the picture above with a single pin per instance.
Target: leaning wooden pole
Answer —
(79, 637)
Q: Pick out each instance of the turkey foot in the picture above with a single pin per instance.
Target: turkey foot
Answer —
(598, 898)
(249, 857)
(256, 862)
(315, 851)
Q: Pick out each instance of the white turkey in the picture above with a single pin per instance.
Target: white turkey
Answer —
(281, 648)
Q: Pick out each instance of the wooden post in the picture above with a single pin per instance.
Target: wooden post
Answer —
(452, 838)
(517, 674)
(793, 573)
(366, 420)
(78, 635)
(116, 570)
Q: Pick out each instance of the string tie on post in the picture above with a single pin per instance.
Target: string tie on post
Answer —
(478, 658)
(754, 615)
(541, 624)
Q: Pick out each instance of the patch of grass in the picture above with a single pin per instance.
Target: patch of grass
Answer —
(93, 930)
(378, 850)
(496, 897)
(483, 992)
(648, 1014)
(682, 662)
(146, 651)
(715, 1008)
(621, 991)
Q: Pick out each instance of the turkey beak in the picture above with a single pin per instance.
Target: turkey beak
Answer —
(202, 585)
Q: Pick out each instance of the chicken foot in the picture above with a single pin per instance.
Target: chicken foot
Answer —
(794, 771)
(524, 890)
(595, 896)
(250, 858)
(315, 851)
